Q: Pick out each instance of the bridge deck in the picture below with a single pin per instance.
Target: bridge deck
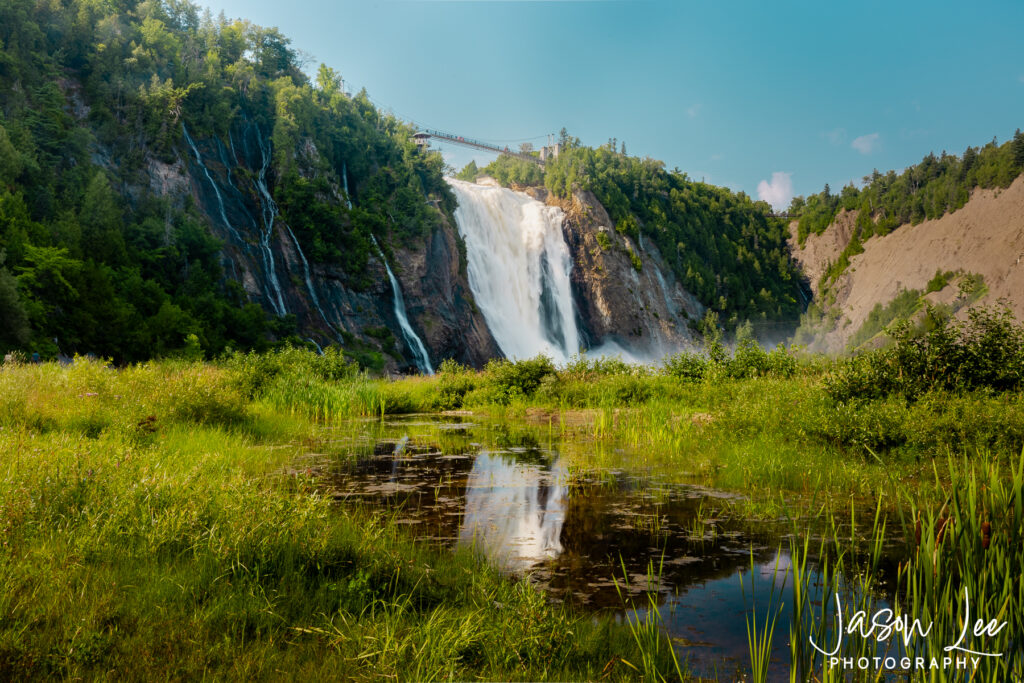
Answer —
(478, 144)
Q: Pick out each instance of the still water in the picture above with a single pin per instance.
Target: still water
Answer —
(597, 538)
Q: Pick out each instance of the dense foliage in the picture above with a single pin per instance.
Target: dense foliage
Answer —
(927, 190)
(748, 359)
(725, 248)
(93, 94)
(984, 353)
(511, 171)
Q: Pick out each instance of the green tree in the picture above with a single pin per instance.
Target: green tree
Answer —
(14, 327)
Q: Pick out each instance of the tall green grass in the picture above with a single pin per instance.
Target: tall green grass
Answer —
(962, 544)
(152, 526)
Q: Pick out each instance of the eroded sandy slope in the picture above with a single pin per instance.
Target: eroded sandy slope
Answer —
(986, 236)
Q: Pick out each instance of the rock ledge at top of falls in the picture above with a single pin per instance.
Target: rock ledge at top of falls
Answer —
(645, 313)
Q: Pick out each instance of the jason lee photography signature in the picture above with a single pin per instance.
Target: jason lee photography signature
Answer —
(884, 625)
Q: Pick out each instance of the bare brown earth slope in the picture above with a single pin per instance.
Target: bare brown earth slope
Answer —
(984, 237)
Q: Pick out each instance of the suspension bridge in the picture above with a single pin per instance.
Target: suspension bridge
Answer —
(423, 137)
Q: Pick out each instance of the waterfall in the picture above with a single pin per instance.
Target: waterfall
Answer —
(412, 340)
(319, 349)
(664, 291)
(309, 281)
(519, 270)
(269, 214)
(227, 164)
(216, 190)
(344, 181)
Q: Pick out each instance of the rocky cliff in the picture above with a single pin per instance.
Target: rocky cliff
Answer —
(626, 295)
(261, 251)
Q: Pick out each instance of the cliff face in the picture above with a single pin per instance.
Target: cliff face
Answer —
(229, 184)
(626, 295)
(985, 237)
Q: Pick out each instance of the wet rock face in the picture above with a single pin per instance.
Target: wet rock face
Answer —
(440, 302)
(645, 311)
(231, 186)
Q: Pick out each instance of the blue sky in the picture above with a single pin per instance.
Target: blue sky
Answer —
(775, 98)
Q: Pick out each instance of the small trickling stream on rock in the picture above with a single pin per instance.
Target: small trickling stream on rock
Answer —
(213, 184)
(269, 214)
(412, 340)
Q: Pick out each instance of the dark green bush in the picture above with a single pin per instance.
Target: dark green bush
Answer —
(747, 360)
(454, 382)
(874, 425)
(687, 366)
(984, 353)
(514, 379)
(254, 371)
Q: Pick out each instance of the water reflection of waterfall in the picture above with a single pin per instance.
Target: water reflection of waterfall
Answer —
(412, 340)
(514, 511)
(519, 270)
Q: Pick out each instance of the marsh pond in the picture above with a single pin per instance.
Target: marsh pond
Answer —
(613, 539)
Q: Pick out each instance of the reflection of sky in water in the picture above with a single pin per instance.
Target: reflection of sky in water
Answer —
(713, 615)
(516, 507)
(514, 511)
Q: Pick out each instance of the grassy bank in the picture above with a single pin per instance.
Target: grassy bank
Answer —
(770, 423)
(150, 531)
(154, 524)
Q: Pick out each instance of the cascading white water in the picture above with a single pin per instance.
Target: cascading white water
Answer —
(519, 270)
(412, 340)
(344, 180)
(309, 281)
(227, 164)
(216, 190)
(269, 214)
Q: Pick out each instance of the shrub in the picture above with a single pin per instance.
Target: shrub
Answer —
(454, 382)
(984, 353)
(687, 366)
(629, 390)
(513, 379)
(874, 425)
(253, 372)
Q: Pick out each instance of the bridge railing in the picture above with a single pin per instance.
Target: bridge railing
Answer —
(470, 142)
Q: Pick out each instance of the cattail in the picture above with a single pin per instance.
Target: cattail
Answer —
(917, 532)
(986, 534)
(943, 522)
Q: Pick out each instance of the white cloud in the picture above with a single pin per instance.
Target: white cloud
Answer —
(866, 144)
(693, 110)
(778, 192)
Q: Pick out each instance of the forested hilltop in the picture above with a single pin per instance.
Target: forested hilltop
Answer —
(936, 186)
(726, 249)
(95, 95)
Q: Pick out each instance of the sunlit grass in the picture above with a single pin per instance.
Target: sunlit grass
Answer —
(154, 523)
(152, 526)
